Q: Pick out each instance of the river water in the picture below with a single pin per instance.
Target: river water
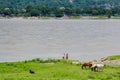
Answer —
(22, 39)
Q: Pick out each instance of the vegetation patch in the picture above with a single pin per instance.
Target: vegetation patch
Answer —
(116, 57)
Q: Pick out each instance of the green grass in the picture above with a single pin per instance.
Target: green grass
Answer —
(75, 17)
(53, 69)
(116, 57)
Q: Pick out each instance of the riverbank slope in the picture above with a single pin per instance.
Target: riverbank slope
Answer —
(53, 69)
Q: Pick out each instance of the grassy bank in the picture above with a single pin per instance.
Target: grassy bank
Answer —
(54, 70)
(116, 57)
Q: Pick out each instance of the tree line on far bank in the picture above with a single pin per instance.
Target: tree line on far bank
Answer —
(45, 11)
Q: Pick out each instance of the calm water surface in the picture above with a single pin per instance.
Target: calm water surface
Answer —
(22, 39)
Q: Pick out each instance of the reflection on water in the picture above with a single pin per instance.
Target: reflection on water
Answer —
(22, 39)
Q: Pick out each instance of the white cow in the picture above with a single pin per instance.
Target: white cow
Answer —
(97, 67)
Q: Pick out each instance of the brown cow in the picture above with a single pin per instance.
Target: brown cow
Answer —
(89, 64)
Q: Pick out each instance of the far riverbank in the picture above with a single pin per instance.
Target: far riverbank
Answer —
(65, 17)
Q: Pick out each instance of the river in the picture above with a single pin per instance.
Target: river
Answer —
(23, 39)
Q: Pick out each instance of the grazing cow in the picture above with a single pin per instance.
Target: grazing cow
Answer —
(97, 67)
(89, 64)
(32, 72)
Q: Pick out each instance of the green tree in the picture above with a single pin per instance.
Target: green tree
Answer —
(45, 11)
(7, 12)
(108, 13)
(69, 11)
(29, 8)
(34, 12)
(59, 12)
(78, 11)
